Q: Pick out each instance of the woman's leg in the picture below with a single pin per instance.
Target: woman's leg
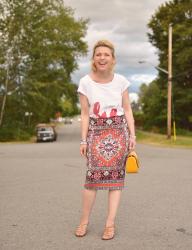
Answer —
(113, 203)
(88, 198)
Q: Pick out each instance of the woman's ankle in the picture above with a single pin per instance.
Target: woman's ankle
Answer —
(110, 223)
(84, 221)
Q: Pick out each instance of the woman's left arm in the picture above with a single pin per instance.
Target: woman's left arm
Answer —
(130, 120)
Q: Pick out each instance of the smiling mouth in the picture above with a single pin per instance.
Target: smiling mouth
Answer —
(102, 64)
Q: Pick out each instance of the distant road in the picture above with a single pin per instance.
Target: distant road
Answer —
(40, 199)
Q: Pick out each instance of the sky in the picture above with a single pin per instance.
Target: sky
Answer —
(124, 23)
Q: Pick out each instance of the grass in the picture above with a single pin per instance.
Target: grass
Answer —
(161, 140)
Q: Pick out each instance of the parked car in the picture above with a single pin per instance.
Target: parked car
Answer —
(46, 132)
(68, 120)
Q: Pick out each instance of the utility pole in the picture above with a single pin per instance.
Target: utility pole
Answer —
(169, 74)
(169, 95)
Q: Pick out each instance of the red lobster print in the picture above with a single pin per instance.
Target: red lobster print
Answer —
(113, 112)
(96, 109)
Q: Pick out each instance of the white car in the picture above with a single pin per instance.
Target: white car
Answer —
(46, 133)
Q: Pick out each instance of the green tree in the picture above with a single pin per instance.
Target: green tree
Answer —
(150, 99)
(179, 13)
(40, 42)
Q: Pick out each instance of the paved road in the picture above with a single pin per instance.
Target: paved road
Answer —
(40, 199)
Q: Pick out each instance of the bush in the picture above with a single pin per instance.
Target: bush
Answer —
(15, 134)
(183, 132)
(139, 119)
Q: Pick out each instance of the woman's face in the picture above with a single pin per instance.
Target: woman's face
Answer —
(103, 59)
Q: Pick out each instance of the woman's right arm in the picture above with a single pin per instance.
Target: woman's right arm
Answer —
(84, 123)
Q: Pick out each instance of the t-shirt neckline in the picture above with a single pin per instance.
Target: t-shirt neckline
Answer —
(98, 83)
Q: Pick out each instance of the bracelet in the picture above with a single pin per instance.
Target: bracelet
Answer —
(83, 142)
(132, 136)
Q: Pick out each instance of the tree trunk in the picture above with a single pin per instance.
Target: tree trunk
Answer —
(4, 96)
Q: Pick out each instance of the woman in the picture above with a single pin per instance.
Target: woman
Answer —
(108, 133)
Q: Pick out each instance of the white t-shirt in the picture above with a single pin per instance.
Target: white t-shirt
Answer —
(105, 99)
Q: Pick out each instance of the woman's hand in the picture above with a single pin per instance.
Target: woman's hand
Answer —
(132, 143)
(83, 150)
(130, 121)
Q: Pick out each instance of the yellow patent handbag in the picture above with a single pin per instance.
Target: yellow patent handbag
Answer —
(132, 163)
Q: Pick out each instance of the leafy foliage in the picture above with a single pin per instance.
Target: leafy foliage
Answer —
(179, 13)
(40, 42)
(151, 99)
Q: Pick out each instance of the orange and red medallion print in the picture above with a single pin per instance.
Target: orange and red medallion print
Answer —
(107, 151)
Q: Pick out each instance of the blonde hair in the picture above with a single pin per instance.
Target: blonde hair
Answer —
(102, 43)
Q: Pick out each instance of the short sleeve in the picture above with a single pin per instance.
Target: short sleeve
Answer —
(125, 84)
(82, 87)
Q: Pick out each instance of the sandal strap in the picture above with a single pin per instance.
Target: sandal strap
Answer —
(82, 225)
(81, 230)
(110, 228)
(109, 232)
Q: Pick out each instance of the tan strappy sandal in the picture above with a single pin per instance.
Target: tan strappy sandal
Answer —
(109, 233)
(81, 230)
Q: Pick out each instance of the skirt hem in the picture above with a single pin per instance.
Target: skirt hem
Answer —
(104, 188)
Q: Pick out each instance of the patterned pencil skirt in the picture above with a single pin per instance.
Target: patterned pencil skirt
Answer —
(106, 153)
